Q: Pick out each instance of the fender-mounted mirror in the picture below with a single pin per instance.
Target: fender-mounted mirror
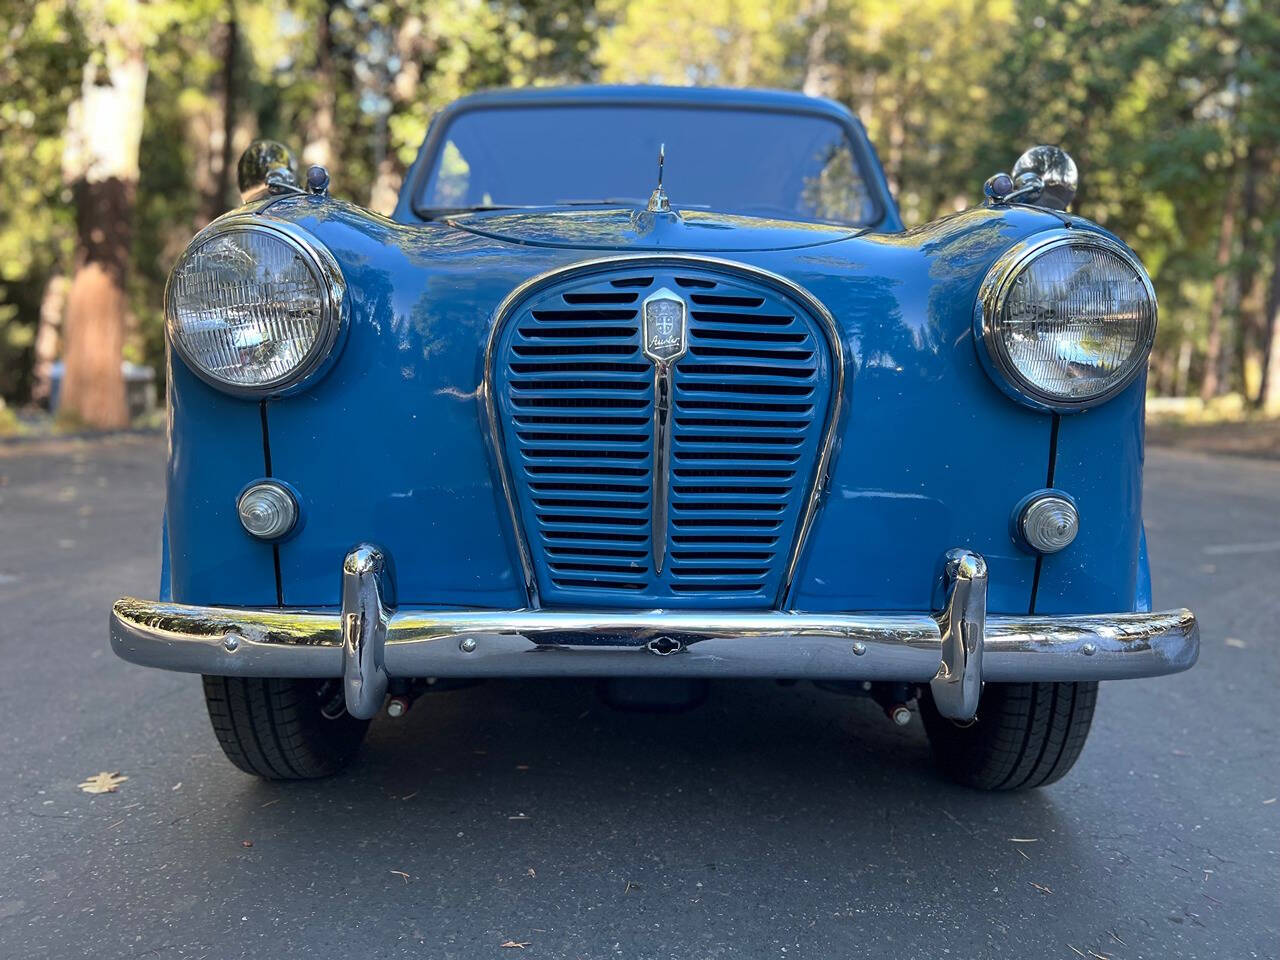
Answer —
(1045, 176)
(266, 167)
(1055, 170)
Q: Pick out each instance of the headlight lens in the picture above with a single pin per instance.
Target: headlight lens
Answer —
(1068, 320)
(254, 308)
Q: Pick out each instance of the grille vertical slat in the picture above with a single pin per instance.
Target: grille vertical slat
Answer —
(750, 402)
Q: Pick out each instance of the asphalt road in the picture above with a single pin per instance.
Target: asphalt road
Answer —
(771, 822)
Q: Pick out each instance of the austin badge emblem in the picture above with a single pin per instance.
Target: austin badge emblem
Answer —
(665, 336)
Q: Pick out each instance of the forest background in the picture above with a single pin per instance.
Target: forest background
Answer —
(121, 122)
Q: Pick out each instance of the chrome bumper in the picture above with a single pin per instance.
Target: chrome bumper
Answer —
(954, 650)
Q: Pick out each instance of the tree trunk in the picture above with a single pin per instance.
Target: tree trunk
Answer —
(319, 147)
(215, 132)
(386, 186)
(414, 44)
(229, 91)
(48, 345)
(1269, 391)
(1249, 298)
(818, 70)
(1212, 384)
(104, 133)
(1182, 378)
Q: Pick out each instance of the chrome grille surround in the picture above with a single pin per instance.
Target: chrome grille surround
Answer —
(757, 403)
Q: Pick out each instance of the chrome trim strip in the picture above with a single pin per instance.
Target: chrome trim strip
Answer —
(366, 643)
(365, 616)
(663, 353)
(661, 487)
(995, 288)
(324, 267)
(815, 306)
(957, 686)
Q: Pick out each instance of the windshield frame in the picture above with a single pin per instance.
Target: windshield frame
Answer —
(433, 146)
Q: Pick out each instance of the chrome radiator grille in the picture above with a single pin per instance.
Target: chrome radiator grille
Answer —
(573, 398)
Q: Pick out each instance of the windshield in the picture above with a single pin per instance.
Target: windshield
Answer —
(731, 160)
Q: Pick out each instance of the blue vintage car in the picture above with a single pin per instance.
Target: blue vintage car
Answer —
(651, 386)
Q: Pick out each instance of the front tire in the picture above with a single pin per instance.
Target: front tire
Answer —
(1026, 735)
(283, 729)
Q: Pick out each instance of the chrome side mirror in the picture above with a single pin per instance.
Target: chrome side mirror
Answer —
(1045, 176)
(266, 167)
(1056, 172)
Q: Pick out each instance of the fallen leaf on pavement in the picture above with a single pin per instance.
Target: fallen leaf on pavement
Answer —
(246, 843)
(401, 873)
(516, 944)
(1039, 887)
(103, 783)
(1024, 839)
(531, 872)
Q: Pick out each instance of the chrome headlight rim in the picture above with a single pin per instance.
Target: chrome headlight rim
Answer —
(328, 276)
(991, 299)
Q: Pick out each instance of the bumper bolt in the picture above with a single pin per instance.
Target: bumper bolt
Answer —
(231, 642)
(468, 645)
(859, 648)
(1089, 649)
(397, 707)
(900, 715)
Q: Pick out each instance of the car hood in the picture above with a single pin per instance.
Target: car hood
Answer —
(631, 229)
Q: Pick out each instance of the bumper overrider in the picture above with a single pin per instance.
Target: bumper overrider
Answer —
(954, 650)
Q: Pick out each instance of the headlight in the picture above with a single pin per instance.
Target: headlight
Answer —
(1067, 319)
(254, 307)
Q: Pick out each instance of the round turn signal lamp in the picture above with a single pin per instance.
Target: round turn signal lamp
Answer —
(267, 510)
(1049, 523)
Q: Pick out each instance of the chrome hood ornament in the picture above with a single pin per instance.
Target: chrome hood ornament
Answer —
(664, 326)
(658, 202)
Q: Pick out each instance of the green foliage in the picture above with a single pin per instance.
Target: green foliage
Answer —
(1170, 107)
(41, 54)
(9, 425)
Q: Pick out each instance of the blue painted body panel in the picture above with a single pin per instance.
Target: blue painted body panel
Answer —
(166, 591)
(693, 231)
(1099, 463)
(932, 456)
(215, 446)
(392, 445)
